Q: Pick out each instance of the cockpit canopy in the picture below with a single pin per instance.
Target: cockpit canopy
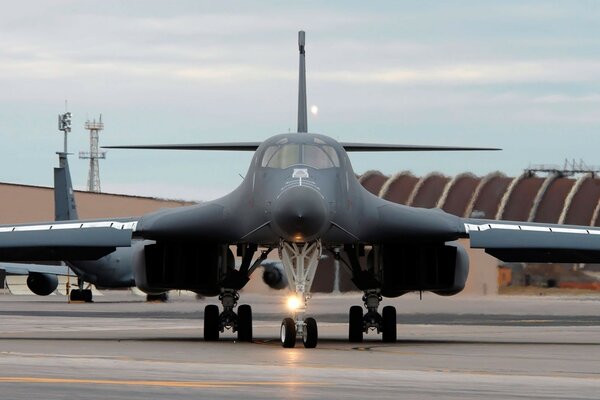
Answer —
(317, 155)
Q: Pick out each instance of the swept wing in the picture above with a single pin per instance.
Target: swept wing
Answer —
(252, 146)
(532, 242)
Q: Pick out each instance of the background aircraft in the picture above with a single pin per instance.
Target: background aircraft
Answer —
(300, 197)
(111, 271)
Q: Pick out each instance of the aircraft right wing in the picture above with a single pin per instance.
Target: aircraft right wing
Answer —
(72, 240)
(509, 241)
(535, 242)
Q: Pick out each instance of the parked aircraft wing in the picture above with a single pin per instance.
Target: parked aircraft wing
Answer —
(529, 242)
(75, 240)
(25, 269)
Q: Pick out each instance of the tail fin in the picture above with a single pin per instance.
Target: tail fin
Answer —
(302, 112)
(64, 199)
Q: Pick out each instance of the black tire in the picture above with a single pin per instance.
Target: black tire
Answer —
(388, 329)
(287, 333)
(159, 297)
(244, 323)
(75, 295)
(87, 296)
(311, 333)
(355, 325)
(211, 323)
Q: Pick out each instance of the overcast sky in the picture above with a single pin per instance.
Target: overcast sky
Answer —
(523, 76)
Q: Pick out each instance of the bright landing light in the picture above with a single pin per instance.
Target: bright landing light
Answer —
(314, 110)
(294, 302)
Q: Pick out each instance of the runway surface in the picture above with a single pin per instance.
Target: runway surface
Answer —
(467, 348)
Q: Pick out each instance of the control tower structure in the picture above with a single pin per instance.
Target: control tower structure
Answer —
(93, 183)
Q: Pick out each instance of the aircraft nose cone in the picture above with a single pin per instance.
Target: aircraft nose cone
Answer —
(300, 214)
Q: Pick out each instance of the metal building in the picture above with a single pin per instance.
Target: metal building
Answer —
(554, 198)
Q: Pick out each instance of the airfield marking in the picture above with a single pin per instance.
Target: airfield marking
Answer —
(180, 384)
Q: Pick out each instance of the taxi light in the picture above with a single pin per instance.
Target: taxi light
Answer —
(294, 302)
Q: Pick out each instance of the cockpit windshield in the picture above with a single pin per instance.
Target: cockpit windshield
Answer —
(285, 155)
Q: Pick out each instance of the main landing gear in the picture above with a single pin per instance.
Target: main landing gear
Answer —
(384, 323)
(300, 263)
(157, 297)
(81, 294)
(215, 322)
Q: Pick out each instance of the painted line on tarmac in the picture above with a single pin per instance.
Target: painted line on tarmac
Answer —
(170, 384)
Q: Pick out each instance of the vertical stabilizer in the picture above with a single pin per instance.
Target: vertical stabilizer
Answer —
(64, 199)
(302, 112)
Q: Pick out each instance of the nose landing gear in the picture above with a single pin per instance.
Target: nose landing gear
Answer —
(300, 264)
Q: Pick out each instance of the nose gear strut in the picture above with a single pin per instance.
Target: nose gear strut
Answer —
(300, 263)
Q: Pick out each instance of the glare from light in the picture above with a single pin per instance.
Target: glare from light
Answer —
(294, 302)
(314, 110)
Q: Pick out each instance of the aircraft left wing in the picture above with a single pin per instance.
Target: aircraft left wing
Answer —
(534, 242)
(72, 240)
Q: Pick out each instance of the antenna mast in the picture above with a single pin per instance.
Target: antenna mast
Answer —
(94, 154)
(64, 125)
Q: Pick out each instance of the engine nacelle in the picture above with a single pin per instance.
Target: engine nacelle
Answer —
(274, 276)
(442, 269)
(162, 266)
(42, 284)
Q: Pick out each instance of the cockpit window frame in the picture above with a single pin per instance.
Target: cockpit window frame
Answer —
(329, 153)
(278, 149)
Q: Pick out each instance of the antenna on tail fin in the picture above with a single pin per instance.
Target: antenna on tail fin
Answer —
(302, 112)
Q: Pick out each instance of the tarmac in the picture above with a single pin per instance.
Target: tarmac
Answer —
(496, 347)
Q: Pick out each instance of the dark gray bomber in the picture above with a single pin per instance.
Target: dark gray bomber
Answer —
(301, 198)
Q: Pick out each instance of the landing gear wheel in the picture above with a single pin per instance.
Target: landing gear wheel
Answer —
(159, 297)
(355, 325)
(75, 295)
(211, 323)
(86, 295)
(310, 334)
(244, 329)
(388, 331)
(288, 333)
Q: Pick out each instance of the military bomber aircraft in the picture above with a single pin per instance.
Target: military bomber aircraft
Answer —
(301, 198)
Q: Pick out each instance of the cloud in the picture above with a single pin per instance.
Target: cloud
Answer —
(550, 71)
(535, 71)
(561, 99)
(204, 71)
